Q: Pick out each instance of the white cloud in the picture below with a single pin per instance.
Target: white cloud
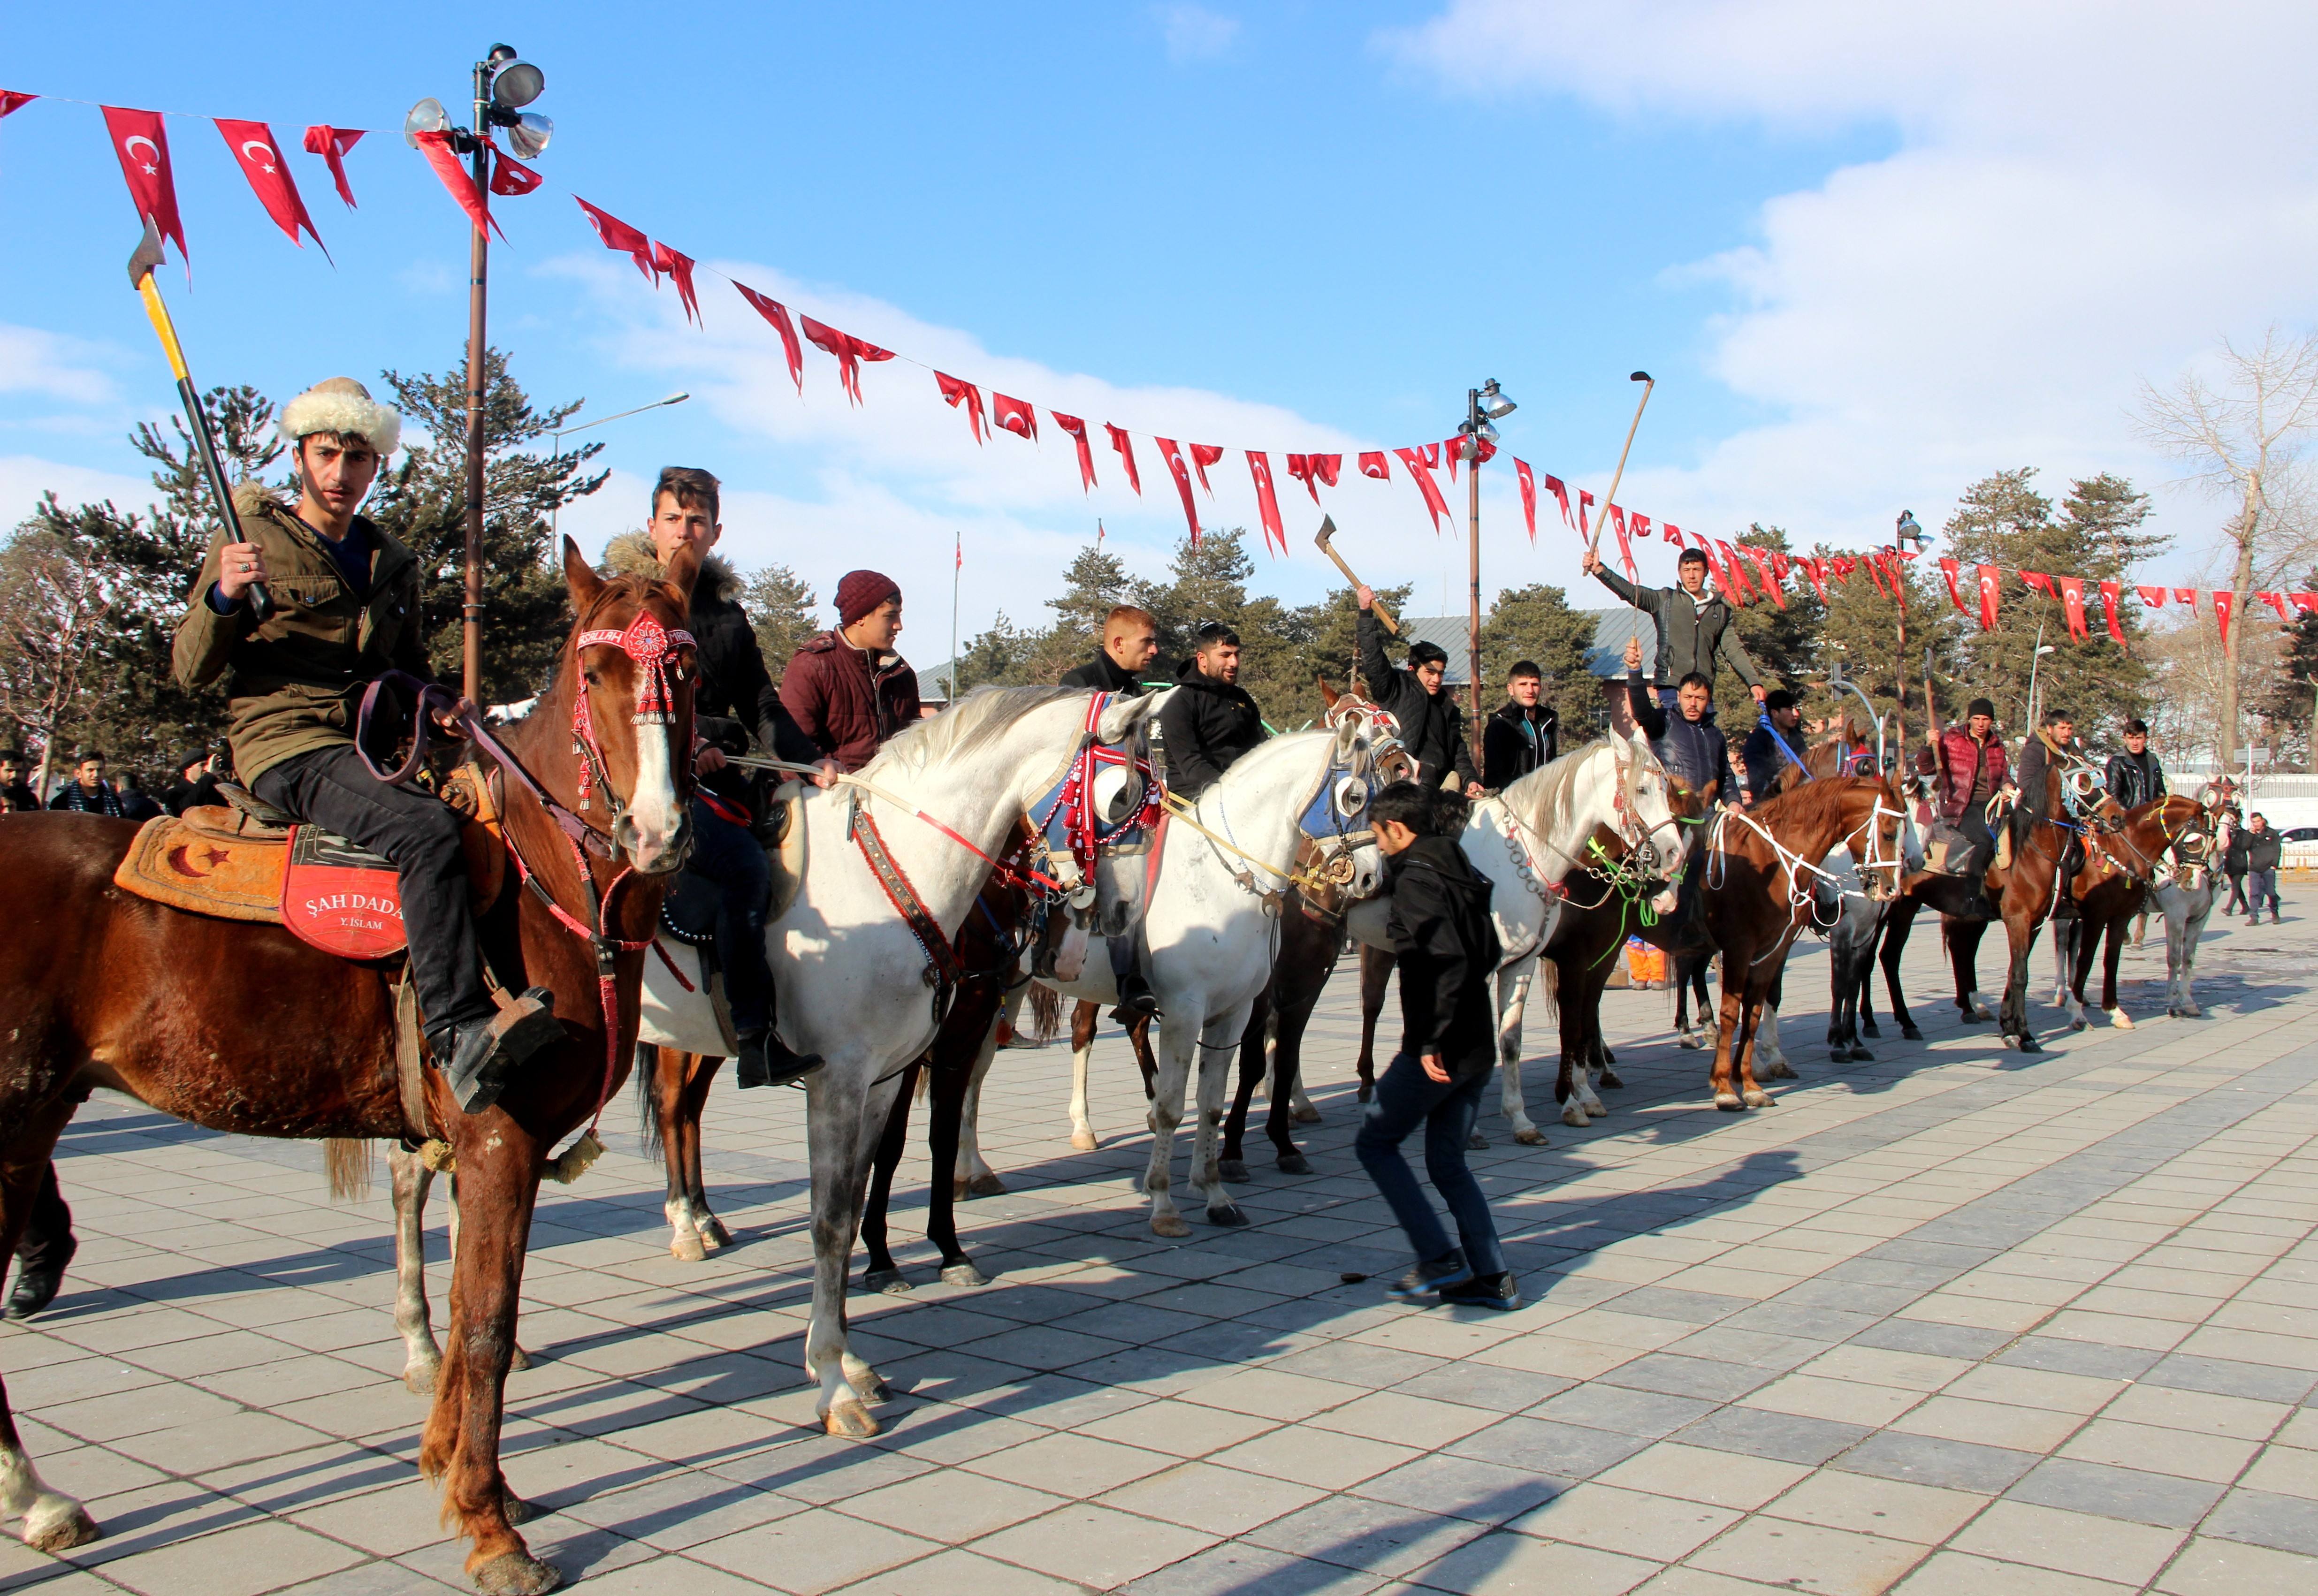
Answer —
(2080, 195)
(24, 478)
(56, 367)
(1195, 34)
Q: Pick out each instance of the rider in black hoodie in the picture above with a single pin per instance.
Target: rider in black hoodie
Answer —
(1525, 735)
(1210, 721)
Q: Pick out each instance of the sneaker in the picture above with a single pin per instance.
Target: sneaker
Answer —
(766, 1061)
(2276, 919)
(1483, 1291)
(484, 1053)
(1447, 1270)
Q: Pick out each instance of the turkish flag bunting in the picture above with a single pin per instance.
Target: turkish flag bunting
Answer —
(1373, 463)
(774, 311)
(1638, 524)
(2222, 604)
(1173, 456)
(1014, 415)
(437, 147)
(1673, 534)
(1300, 466)
(620, 237)
(1763, 574)
(11, 102)
(1429, 453)
(510, 176)
(1738, 589)
(2307, 603)
(2154, 597)
(1126, 447)
(1561, 491)
(1842, 565)
(1418, 469)
(1204, 455)
(1267, 502)
(1617, 514)
(1077, 429)
(2038, 581)
(1326, 467)
(850, 351)
(2188, 596)
(1874, 564)
(331, 144)
(261, 163)
(2276, 601)
(680, 268)
(2111, 593)
(1454, 451)
(1528, 495)
(1713, 563)
(1816, 570)
(2072, 605)
(142, 143)
(1584, 503)
(1949, 568)
(1989, 583)
(956, 391)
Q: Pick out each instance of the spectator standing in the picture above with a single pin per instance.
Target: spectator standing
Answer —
(2233, 866)
(88, 793)
(136, 802)
(14, 794)
(2264, 851)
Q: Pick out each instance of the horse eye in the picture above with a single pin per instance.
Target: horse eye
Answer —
(591, 678)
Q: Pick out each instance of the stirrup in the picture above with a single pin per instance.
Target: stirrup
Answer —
(487, 1052)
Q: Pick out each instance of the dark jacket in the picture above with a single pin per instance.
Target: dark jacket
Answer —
(1103, 674)
(1431, 724)
(1962, 763)
(2135, 779)
(2263, 850)
(845, 700)
(1765, 764)
(183, 794)
(734, 699)
(1694, 753)
(1206, 724)
(2233, 858)
(75, 799)
(2036, 765)
(17, 798)
(1691, 636)
(298, 680)
(1439, 926)
(137, 804)
(1517, 739)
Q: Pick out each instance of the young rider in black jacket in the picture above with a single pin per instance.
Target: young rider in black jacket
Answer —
(1525, 735)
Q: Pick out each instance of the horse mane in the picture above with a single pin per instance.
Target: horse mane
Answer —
(1809, 803)
(1543, 796)
(980, 717)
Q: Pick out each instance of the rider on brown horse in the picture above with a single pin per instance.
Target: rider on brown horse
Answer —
(2055, 743)
(345, 610)
(1971, 767)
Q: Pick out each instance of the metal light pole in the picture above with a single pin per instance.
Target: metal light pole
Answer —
(1483, 405)
(554, 516)
(1906, 532)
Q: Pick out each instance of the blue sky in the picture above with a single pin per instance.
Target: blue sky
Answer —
(1869, 259)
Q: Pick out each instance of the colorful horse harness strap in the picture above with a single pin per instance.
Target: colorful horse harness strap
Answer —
(650, 645)
(1074, 808)
(943, 970)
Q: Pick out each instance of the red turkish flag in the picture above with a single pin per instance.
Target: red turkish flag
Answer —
(1300, 466)
(2073, 605)
(459, 184)
(1120, 441)
(510, 176)
(1414, 461)
(774, 311)
(1429, 453)
(2188, 596)
(850, 351)
(1674, 536)
(1452, 450)
(1989, 584)
(261, 163)
(1584, 503)
(1842, 565)
(957, 391)
(1949, 568)
(1762, 575)
(1326, 467)
(1014, 415)
(142, 143)
(11, 102)
(1561, 491)
(2307, 603)
(2040, 582)
(1617, 515)
(1816, 570)
(1528, 495)
(1204, 455)
(1173, 456)
(1374, 464)
(331, 144)
(1077, 429)
(680, 268)
(1737, 588)
(1267, 502)
(2222, 605)
(1638, 524)
(2111, 593)
(2154, 597)
(620, 237)
(2276, 601)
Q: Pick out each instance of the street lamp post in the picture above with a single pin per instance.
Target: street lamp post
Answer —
(1906, 532)
(554, 515)
(1483, 405)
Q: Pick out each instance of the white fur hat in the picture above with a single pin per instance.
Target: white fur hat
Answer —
(342, 405)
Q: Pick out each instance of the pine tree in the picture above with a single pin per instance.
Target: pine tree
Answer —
(1536, 623)
(1333, 622)
(998, 658)
(1859, 628)
(2290, 701)
(780, 606)
(1095, 583)
(1783, 635)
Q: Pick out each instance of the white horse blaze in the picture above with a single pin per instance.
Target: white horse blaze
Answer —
(655, 814)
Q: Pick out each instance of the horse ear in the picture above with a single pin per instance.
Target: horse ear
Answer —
(579, 577)
(1124, 714)
(682, 571)
(1328, 695)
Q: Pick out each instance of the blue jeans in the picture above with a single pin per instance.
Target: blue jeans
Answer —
(1405, 1098)
(729, 855)
(2261, 884)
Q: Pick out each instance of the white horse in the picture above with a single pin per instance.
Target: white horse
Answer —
(1528, 839)
(1211, 927)
(856, 983)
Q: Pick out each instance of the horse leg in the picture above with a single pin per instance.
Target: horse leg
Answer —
(1721, 1076)
(412, 1318)
(1864, 994)
(1963, 937)
(691, 1104)
(52, 1520)
(1219, 1040)
(1287, 1023)
(1376, 977)
(1178, 1042)
(1769, 1055)
(883, 1274)
(518, 1359)
(2114, 949)
(2070, 953)
(2013, 1018)
(1083, 1021)
(1514, 985)
(972, 1175)
(1750, 1091)
(461, 1445)
(1897, 924)
(1252, 1070)
(946, 1117)
(669, 1071)
(843, 1118)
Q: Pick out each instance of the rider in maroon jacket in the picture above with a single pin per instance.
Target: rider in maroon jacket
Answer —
(847, 689)
(1971, 771)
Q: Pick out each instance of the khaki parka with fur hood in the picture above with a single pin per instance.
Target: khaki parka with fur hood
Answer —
(297, 680)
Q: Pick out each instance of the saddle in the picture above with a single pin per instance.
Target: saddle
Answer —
(687, 914)
(245, 860)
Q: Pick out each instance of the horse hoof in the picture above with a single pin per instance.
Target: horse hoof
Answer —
(891, 1282)
(517, 1511)
(1779, 1070)
(418, 1379)
(1758, 1098)
(963, 1274)
(1170, 1226)
(515, 1574)
(50, 1532)
(1911, 1032)
(688, 1248)
(1228, 1217)
(1609, 1081)
(1233, 1170)
(1308, 1116)
(985, 1186)
(1530, 1137)
(2028, 1044)
(1082, 1141)
(1366, 1089)
(1869, 1030)
(1572, 1116)
(1476, 1142)
(849, 1421)
(2121, 1020)
(1859, 1055)
(1729, 1102)
(520, 1360)
(872, 1387)
(713, 1235)
(1295, 1163)
(1688, 1040)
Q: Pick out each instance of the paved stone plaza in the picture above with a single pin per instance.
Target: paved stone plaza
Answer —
(1953, 1321)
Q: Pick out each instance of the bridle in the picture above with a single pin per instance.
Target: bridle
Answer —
(1801, 898)
(651, 647)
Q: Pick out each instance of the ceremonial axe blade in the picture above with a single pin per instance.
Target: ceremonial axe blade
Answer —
(140, 278)
(1327, 531)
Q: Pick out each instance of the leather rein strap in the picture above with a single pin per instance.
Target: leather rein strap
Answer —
(943, 970)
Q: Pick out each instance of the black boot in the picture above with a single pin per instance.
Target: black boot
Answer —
(766, 1061)
(1136, 1000)
(483, 1053)
(38, 1282)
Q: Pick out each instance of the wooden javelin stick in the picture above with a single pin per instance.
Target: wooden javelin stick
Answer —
(1647, 383)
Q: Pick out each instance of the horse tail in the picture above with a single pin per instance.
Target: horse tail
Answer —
(1548, 988)
(347, 1160)
(647, 1074)
(1046, 1012)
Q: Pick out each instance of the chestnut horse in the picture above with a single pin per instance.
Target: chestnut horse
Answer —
(243, 1027)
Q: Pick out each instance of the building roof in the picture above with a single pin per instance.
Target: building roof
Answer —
(1607, 656)
(1452, 633)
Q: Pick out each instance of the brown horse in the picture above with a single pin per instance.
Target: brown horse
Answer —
(243, 1027)
(2121, 867)
(2076, 804)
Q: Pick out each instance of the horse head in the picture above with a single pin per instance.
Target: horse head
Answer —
(629, 669)
(1648, 811)
(1878, 838)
